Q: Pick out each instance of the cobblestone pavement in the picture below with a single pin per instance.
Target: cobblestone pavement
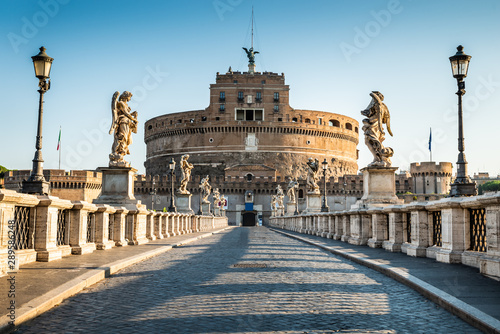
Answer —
(198, 289)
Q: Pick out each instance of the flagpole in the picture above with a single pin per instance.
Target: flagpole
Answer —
(430, 143)
(60, 147)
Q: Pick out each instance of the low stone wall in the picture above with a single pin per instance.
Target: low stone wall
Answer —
(453, 230)
(46, 228)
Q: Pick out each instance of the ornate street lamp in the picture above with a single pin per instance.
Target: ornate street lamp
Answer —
(36, 183)
(171, 166)
(324, 207)
(463, 186)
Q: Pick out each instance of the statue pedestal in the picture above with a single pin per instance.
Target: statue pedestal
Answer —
(117, 186)
(291, 207)
(183, 203)
(205, 209)
(313, 203)
(217, 212)
(379, 188)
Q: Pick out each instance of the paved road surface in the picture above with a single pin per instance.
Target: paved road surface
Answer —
(198, 289)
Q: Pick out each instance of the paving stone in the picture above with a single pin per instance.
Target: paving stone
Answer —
(196, 289)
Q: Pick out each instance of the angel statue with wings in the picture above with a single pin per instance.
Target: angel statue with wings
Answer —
(312, 176)
(123, 124)
(377, 115)
(251, 55)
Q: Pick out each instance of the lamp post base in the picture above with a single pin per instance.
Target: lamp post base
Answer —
(463, 189)
(36, 187)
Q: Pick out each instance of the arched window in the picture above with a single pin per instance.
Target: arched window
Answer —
(348, 126)
(356, 129)
(301, 193)
(294, 120)
(307, 120)
(334, 122)
(249, 177)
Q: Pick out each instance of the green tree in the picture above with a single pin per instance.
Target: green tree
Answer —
(489, 186)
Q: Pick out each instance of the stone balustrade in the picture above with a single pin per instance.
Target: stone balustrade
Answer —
(462, 230)
(46, 228)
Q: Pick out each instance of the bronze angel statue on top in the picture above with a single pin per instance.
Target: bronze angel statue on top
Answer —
(373, 126)
(251, 55)
(122, 125)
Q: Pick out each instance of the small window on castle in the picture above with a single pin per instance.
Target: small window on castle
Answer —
(307, 120)
(263, 82)
(150, 127)
(249, 177)
(356, 129)
(258, 96)
(235, 81)
(240, 115)
(308, 142)
(276, 108)
(217, 118)
(301, 193)
(222, 108)
(259, 115)
(320, 121)
(280, 119)
(276, 96)
(203, 118)
(294, 120)
(211, 140)
(179, 121)
(191, 120)
(222, 96)
(348, 126)
(240, 96)
(334, 122)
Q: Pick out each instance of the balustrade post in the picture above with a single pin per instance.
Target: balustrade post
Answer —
(102, 217)
(348, 221)
(490, 262)
(119, 218)
(339, 225)
(79, 226)
(420, 238)
(396, 234)
(380, 227)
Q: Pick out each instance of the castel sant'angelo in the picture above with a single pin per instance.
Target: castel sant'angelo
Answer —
(250, 123)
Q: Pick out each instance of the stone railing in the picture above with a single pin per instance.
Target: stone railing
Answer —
(453, 230)
(46, 228)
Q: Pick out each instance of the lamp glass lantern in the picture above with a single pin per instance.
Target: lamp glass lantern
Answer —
(42, 63)
(325, 165)
(171, 164)
(460, 63)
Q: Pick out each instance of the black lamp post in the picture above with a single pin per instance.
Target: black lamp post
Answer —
(345, 193)
(36, 183)
(153, 193)
(324, 207)
(171, 166)
(463, 186)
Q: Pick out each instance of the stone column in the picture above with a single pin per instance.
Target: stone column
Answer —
(166, 221)
(119, 226)
(380, 227)
(339, 225)
(332, 223)
(419, 230)
(45, 241)
(361, 230)
(175, 225)
(348, 221)
(489, 264)
(453, 218)
(150, 226)
(395, 229)
(78, 228)
(102, 239)
(137, 219)
(158, 225)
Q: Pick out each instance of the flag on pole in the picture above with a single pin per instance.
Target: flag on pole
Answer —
(59, 140)
(430, 140)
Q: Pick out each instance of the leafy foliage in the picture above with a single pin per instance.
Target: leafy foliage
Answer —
(489, 186)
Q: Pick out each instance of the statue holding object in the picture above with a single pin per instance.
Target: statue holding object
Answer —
(312, 176)
(377, 115)
(186, 174)
(292, 186)
(206, 189)
(123, 124)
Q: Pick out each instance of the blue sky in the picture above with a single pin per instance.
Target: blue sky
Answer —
(333, 54)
